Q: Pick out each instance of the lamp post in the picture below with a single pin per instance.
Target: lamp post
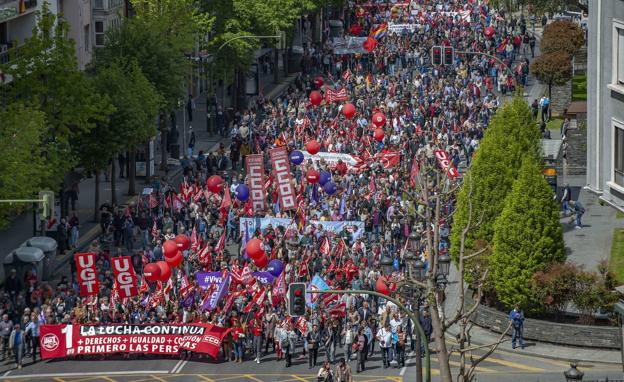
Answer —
(387, 265)
(573, 374)
(416, 271)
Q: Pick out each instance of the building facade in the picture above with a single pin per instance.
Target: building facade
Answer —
(77, 13)
(106, 14)
(605, 91)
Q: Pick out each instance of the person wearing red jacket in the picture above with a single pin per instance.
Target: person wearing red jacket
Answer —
(238, 335)
(256, 332)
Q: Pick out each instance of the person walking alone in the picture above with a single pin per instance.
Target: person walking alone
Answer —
(313, 338)
(517, 323)
(16, 344)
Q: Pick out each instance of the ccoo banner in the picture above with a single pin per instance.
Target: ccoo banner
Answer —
(281, 172)
(58, 341)
(255, 170)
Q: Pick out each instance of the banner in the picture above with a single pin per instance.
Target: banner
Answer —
(86, 274)
(251, 224)
(331, 158)
(399, 28)
(283, 179)
(264, 277)
(125, 278)
(206, 279)
(445, 163)
(219, 293)
(254, 164)
(336, 95)
(64, 340)
(349, 45)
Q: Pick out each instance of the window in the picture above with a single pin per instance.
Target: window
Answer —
(99, 33)
(620, 56)
(98, 4)
(618, 155)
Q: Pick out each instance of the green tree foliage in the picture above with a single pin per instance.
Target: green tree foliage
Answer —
(46, 77)
(552, 69)
(562, 36)
(511, 136)
(527, 237)
(21, 156)
(157, 38)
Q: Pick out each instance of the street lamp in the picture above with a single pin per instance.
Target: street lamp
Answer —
(573, 374)
(387, 265)
(444, 264)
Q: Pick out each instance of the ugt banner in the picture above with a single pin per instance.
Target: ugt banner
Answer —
(281, 172)
(58, 341)
(86, 274)
(125, 278)
(255, 169)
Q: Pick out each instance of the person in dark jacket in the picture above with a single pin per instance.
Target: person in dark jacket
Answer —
(314, 341)
(517, 323)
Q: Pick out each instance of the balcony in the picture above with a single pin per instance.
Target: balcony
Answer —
(11, 9)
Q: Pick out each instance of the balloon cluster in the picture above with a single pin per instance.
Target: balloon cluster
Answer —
(256, 252)
(172, 249)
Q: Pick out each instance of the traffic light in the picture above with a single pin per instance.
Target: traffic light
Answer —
(296, 299)
(449, 55)
(47, 204)
(436, 56)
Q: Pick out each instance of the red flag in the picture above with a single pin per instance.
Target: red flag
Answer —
(257, 300)
(302, 325)
(346, 75)
(152, 202)
(204, 255)
(325, 247)
(370, 44)
(194, 239)
(220, 244)
(414, 172)
(155, 230)
(177, 203)
(143, 288)
(227, 200)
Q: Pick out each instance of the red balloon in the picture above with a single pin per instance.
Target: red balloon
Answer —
(315, 98)
(215, 184)
(379, 119)
(176, 260)
(378, 134)
(489, 32)
(170, 248)
(381, 287)
(151, 272)
(183, 242)
(254, 248)
(348, 110)
(313, 147)
(262, 261)
(313, 176)
(318, 82)
(165, 270)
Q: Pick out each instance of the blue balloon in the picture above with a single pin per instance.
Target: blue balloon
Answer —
(275, 267)
(330, 188)
(296, 157)
(325, 177)
(242, 192)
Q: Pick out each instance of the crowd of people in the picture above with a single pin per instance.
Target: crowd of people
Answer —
(427, 107)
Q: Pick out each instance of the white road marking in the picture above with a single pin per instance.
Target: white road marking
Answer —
(181, 366)
(7, 373)
(60, 375)
(411, 354)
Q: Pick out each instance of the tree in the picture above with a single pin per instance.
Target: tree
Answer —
(562, 36)
(552, 69)
(21, 156)
(527, 237)
(511, 135)
(46, 77)
(158, 38)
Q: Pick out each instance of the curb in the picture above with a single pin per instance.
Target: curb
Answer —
(452, 335)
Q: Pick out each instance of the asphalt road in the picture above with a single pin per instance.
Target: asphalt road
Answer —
(501, 366)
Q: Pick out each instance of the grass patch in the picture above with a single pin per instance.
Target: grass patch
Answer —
(579, 88)
(554, 123)
(616, 262)
(619, 214)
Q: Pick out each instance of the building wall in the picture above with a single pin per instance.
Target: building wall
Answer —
(77, 13)
(106, 14)
(605, 101)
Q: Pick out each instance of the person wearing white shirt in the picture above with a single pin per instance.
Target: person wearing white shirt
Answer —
(384, 337)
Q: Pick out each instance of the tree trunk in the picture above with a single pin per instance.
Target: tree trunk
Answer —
(113, 183)
(132, 172)
(550, 91)
(438, 334)
(96, 201)
(276, 67)
(163, 142)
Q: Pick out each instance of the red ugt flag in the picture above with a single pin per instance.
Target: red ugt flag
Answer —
(125, 278)
(86, 274)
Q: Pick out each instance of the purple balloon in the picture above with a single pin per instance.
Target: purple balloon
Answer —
(325, 177)
(275, 267)
(330, 188)
(296, 157)
(242, 192)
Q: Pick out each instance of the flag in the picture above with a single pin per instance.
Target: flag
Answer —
(152, 201)
(143, 288)
(220, 244)
(220, 291)
(203, 256)
(414, 172)
(257, 300)
(205, 302)
(302, 325)
(194, 239)
(380, 32)
(317, 284)
(346, 75)
(177, 203)
(336, 95)
(325, 247)
(226, 202)
(155, 230)
(168, 288)
(369, 80)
